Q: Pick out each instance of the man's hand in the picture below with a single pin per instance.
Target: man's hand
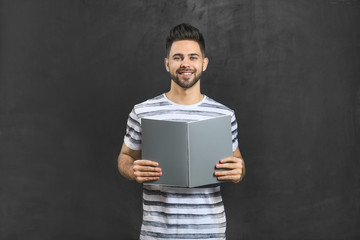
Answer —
(235, 168)
(131, 167)
(146, 170)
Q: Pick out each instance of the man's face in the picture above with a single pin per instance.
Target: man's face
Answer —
(185, 63)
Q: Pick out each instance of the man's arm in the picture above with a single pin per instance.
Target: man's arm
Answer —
(132, 168)
(235, 166)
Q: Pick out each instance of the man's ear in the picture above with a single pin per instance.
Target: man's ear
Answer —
(166, 62)
(205, 63)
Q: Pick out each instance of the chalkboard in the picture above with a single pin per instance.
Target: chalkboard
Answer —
(71, 71)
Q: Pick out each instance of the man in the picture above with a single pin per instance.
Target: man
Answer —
(173, 212)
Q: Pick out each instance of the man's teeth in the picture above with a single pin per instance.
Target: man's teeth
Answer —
(187, 73)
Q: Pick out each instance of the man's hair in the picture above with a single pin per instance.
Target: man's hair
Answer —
(185, 31)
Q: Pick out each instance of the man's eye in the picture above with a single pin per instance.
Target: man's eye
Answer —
(177, 58)
(193, 58)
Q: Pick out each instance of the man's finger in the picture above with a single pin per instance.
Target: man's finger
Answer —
(146, 163)
(226, 166)
(147, 174)
(146, 168)
(229, 160)
(146, 179)
(227, 173)
(234, 178)
(230, 177)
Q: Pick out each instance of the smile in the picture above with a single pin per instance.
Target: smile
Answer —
(185, 73)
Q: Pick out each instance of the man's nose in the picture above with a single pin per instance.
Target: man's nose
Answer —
(185, 63)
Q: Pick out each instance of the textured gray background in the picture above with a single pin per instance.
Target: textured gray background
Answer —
(70, 72)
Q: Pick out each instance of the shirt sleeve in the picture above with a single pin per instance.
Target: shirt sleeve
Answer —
(132, 137)
(234, 131)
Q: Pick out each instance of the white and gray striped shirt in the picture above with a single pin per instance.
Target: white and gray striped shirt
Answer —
(173, 212)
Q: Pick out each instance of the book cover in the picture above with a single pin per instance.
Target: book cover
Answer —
(187, 151)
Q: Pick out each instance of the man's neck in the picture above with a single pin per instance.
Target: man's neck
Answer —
(183, 96)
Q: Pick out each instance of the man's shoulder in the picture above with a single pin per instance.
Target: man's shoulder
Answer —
(210, 102)
(158, 99)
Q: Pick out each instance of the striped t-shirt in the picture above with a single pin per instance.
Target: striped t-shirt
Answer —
(174, 212)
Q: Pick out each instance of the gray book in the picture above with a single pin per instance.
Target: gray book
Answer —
(186, 151)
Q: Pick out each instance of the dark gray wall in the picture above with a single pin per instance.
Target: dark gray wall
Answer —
(72, 70)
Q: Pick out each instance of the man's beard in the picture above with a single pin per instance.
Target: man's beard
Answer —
(186, 84)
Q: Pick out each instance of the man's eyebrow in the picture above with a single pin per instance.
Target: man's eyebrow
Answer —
(181, 55)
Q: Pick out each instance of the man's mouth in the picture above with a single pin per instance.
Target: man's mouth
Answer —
(186, 73)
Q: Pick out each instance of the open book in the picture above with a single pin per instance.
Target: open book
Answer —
(186, 151)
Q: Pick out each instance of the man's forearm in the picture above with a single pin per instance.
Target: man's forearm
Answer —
(125, 166)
